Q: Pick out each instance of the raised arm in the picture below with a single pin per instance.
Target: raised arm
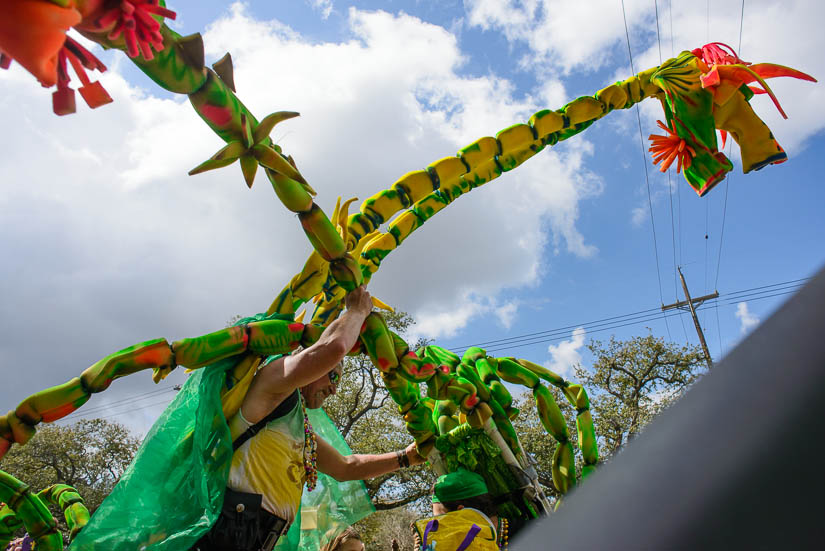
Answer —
(280, 378)
(361, 467)
(307, 365)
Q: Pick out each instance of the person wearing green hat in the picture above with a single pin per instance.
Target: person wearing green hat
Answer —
(464, 516)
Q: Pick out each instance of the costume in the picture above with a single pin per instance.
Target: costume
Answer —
(266, 479)
(461, 529)
(173, 491)
(281, 444)
(457, 485)
(458, 530)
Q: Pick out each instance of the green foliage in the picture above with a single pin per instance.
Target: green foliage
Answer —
(629, 383)
(632, 381)
(89, 455)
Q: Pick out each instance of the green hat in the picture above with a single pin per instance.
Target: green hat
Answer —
(458, 485)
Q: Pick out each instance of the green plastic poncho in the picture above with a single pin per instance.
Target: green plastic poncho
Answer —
(172, 492)
(332, 506)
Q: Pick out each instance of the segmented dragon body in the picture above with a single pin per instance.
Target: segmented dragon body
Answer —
(20, 508)
(701, 91)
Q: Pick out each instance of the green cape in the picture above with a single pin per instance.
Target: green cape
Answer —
(172, 492)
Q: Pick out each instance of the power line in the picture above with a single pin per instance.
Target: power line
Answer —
(741, 24)
(635, 318)
(724, 216)
(658, 36)
(669, 181)
(647, 319)
(761, 294)
(85, 412)
(644, 165)
(730, 147)
(138, 408)
(718, 327)
(792, 281)
(733, 296)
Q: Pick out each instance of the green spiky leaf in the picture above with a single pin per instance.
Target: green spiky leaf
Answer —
(268, 123)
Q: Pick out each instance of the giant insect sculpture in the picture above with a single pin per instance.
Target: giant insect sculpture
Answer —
(20, 508)
(463, 415)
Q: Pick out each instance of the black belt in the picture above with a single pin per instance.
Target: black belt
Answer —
(243, 525)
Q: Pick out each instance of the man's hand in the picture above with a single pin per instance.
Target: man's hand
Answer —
(359, 300)
(413, 456)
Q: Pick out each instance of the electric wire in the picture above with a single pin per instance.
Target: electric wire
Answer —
(727, 190)
(136, 398)
(732, 296)
(85, 412)
(138, 408)
(727, 184)
(641, 320)
(520, 341)
(644, 164)
(669, 181)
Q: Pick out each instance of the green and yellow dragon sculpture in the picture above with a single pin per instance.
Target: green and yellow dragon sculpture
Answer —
(445, 400)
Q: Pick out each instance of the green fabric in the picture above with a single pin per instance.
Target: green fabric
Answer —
(333, 505)
(458, 485)
(172, 492)
(467, 448)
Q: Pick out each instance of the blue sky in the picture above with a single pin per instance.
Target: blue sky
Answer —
(107, 242)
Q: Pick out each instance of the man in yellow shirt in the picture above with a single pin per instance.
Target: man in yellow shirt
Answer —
(276, 451)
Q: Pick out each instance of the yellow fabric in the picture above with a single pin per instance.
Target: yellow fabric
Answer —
(453, 528)
(271, 463)
(243, 373)
(755, 139)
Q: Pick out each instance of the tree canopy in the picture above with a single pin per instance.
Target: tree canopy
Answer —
(632, 381)
(629, 383)
(90, 455)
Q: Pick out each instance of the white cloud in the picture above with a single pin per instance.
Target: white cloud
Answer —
(391, 100)
(438, 322)
(324, 7)
(506, 314)
(565, 355)
(747, 320)
(563, 34)
(639, 215)
(103, 229)
(448, 319)
(785, 33)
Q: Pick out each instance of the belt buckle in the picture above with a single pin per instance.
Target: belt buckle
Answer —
(274, 535)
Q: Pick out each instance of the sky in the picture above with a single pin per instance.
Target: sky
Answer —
(106, 242)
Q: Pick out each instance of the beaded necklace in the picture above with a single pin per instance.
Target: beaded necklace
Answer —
(503, 536)
(310, 452)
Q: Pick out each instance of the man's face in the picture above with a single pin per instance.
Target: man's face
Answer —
(317, 391)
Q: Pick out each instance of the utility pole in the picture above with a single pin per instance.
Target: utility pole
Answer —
(689, 302)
